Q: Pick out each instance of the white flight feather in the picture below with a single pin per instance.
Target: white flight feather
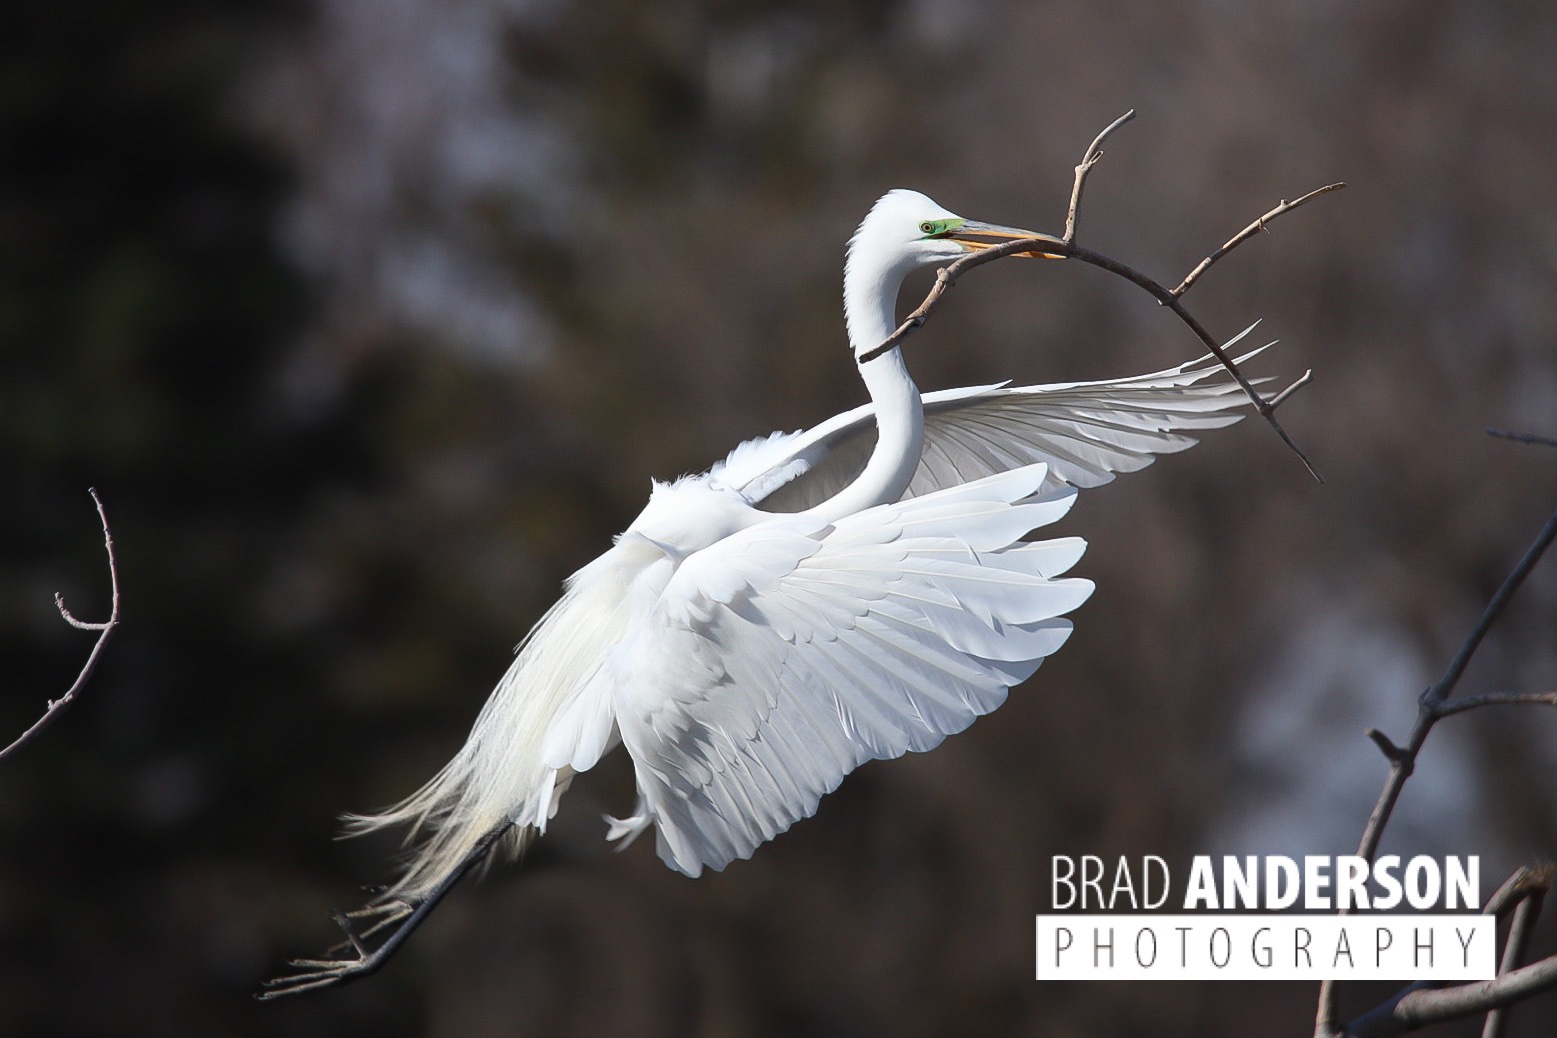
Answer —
(1086, 431)
(776, 662)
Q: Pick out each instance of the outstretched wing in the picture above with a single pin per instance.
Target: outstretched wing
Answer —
(782, 658)
(1085, 431)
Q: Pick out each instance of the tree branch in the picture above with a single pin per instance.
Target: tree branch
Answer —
(1417, 1006)
(1432, 703)
(1515, 946)
(1541, 441)
(1088, 160)
(105, 630)
(1526, 880)
(1065, 247)
(1464, 703)
(1250, 231)
(1432, 707)
(1427, 1002)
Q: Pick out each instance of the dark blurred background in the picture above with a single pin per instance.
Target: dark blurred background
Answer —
(371, 320)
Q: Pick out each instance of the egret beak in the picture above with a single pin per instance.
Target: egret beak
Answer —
(968, 233)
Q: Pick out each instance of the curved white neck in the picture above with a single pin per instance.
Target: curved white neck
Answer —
(869, 301)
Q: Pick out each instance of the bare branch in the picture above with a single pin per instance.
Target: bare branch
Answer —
(1047, 245)
(1303, 380)
(1542, 441)
(1526, 880)
(105, 630)
(1463, 703)
(1445, 687)
(1248, 232)
(1515, 947)
(1380, 1020)
(1433, 701)
(1433, 706)
(1094, 152)
(1065, 247)
(1416, 1007)
(1391, 752)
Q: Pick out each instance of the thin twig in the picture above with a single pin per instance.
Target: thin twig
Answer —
(1527, 879)
(1515, 947)
(1542, 441)
(105, 630)
(1088, 160)
(1445, 687)
(1390, 751)
(1249, 232)
(1419, 1006)
(1302, 380)
(1463, 703)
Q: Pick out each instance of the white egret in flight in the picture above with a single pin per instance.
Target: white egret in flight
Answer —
(814, 601)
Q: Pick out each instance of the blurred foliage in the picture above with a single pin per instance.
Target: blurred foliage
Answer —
(240, 248)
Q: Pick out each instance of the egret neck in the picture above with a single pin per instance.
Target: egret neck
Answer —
(870, 304)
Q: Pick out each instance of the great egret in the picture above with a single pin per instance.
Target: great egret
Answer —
(814, 601)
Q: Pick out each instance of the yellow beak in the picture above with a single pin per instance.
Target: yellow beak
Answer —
(969, 233)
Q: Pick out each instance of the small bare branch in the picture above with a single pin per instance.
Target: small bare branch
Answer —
(1511, 584)
(1303, 380)
(1515, 947)
(1093, 153)
(1391, 752)
(1526, 880)
(1541, 441)
(1463, 703)
(1419, 1006)
(1174, 303)
(1248, 232)
(105, 630)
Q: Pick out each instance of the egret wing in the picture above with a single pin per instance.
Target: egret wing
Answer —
(1085, 431)
(782, 658)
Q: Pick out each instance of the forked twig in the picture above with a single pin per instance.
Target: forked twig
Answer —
(1428, 1002)
(105, 631)
(1088, 160)
(1065, 247)
(1464, 703)
(1517, 944)
(1415, 1007)
(1526, 880)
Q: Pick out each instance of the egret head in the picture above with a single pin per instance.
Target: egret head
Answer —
(910, 229)
(902, 231)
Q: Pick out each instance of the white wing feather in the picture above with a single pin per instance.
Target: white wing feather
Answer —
(1086, 432)
(782, 658)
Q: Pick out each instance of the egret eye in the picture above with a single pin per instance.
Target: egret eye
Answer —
(929, 227)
